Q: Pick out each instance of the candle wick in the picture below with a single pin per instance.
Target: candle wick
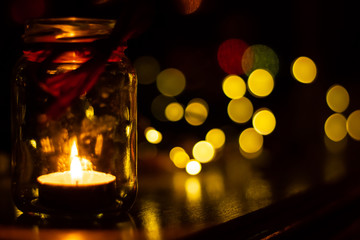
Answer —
(77, 182)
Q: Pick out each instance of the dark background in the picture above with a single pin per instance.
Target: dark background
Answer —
(327, 32)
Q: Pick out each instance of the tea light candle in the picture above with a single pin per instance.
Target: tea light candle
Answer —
(77, 189)
(93, 190)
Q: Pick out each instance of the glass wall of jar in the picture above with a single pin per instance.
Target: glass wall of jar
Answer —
(74, 121)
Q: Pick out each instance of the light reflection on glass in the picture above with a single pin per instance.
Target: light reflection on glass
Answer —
(353, 125)
(260, 57)
(304, 70)
(337, 98)
(170, 82)
(335, 127)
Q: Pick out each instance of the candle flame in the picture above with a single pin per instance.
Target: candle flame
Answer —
(76, 171)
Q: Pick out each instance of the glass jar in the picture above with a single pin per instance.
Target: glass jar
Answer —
(74, 121)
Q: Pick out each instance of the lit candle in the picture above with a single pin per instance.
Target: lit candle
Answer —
(77, 189)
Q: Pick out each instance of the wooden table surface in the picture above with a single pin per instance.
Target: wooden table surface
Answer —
(233, 197)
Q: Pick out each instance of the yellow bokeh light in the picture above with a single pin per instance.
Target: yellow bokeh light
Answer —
(147, 68)
(196, 112)
(337, 98)
(216, 137)
(335, 127)
(174, 111)
(170, 82)
(234, 87)
(179, 157)
(159, 105)
(264, 121)
(260, 83)
(240, 110)
(304, 70)
(353, 125)
(203, 151)
(152, 135)
(193, 167)
(250, 141)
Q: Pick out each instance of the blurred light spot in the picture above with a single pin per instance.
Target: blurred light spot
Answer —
(260, 56)
(89, 112)
(193, 189)
(188, 6)
(193, 167)
(234, 87)
(196, 112)
(250, 141)
(203, 151)
(159, 105)
(260, 83)
(179, 157)
(174, 111)
(147, 68)
(230, 54)
(47, 145)
(216, 137)
(240, 110)
(353, 125)
(33, 143)
(264, 121)
(337, 98)
(170, 82)
(335, 127)
(304, 70)
(152, 135)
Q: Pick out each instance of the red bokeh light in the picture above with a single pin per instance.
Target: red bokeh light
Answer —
(230, 55)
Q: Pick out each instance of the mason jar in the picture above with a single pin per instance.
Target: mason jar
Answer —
(74, 121)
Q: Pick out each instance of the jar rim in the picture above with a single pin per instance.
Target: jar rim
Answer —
(67, 29)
